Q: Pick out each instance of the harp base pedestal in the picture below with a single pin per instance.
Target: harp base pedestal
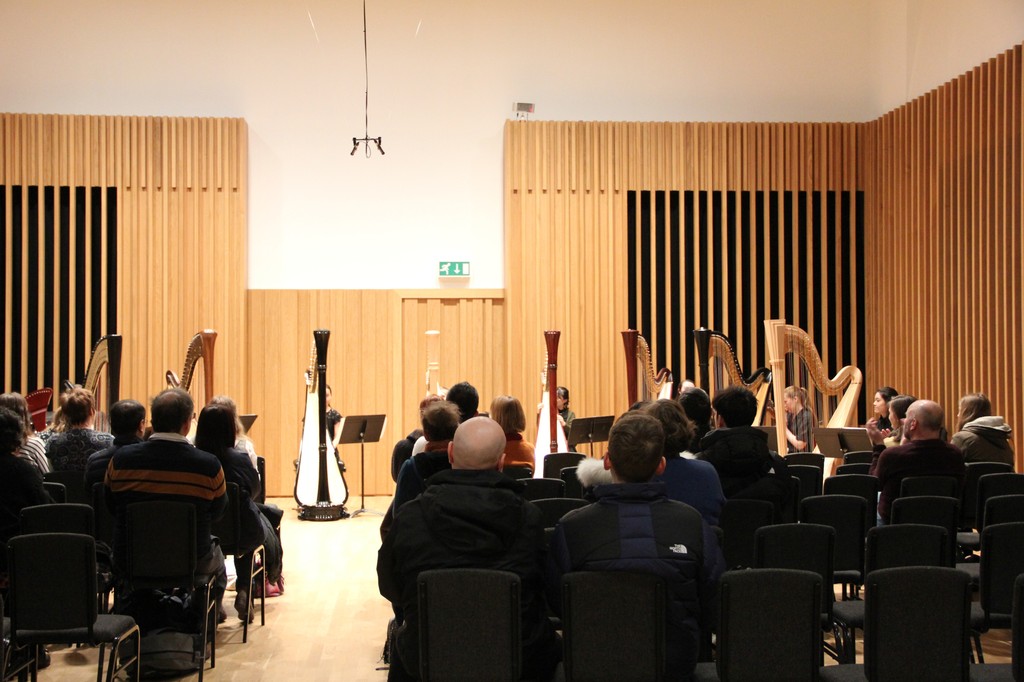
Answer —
(322, 512)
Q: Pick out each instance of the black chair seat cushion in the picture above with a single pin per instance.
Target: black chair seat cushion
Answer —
(971, 568)
(849, 613)
(843, 673)
(968, 539)
(107, 628)
(992, 672)
(979, 623)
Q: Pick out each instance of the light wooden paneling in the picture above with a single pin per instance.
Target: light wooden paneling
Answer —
(944, 182)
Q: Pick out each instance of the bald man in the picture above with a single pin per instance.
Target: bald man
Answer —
(923, 453)
(471, 516)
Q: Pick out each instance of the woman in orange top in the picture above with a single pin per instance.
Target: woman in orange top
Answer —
(509, 414)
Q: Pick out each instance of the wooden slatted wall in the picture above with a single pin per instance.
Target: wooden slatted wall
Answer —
(181, 223)
(567, 248)
(943, 177)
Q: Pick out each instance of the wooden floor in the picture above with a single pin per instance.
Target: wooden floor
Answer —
(329, 624)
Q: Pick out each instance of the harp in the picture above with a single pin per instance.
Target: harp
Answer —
(320, 489)
(550, 434)
(434, 386)
(794, 360)
(199, 348)
(103, 378)
(719, 368)
(642, 382)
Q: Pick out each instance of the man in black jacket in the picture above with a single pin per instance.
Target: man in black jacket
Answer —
(471, 516)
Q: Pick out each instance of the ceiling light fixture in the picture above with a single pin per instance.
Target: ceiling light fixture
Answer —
(366, 139)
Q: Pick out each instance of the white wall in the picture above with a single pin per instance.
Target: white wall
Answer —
(443, 77)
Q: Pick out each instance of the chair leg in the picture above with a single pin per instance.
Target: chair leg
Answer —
(99, 666)
(977, 645)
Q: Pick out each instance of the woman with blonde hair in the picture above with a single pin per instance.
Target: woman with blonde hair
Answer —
(69, 451)
(508, 412)
(799, 420)
(33, 449)
(982, 436)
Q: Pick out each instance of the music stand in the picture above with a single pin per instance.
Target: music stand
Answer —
(362, 429)
(590, 430)
(836, 442)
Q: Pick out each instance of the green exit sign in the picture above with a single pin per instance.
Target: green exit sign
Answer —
(453, 268)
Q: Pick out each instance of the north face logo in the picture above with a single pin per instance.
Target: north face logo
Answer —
(678, 549)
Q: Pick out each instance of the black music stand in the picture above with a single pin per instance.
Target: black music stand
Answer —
(590, 430)
(362, 429)
(836, 442)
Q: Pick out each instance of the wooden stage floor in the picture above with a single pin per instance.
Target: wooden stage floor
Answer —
(330, 623)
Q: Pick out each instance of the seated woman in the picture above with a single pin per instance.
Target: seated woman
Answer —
(799, 420)
(216, 433)
(981, 436)
(880, 407)
(897, 413)
(21, 484)
(34, 450)
(69, 451)
(508, 412)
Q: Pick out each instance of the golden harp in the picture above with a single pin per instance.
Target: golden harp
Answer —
(104, 385)
(794, 361)
(642, 382)
(719, 368)
(199, 348)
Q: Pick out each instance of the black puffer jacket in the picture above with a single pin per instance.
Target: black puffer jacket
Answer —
(746, 467)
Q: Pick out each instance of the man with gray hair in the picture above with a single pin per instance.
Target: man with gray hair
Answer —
(923, 453)
(471, 516)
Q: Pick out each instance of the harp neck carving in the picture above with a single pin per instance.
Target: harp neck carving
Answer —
(642, 382)
(199, 348)
(715, 348)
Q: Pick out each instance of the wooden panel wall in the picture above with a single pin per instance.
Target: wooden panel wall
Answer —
(181, 230)
(944, 182)
(566, 186)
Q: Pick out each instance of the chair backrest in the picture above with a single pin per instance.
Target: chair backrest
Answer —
(969, 499)
(857, 468)
(845, 515)
(518, 472)
(74, 484)
(596, 603)
(1017, 651)
(57, 518)
(993, 485)
(931, 510)
(52, 585)
(161, 543)
(858, 457)
(479, 643)
(813, 459)
(228, 528)
(38, 402)
(557, 461)
(916, 624)
(800, 546)
(103, 519)
(261, 469)
(739, 520)
(1002, 560)
(1004, 509)
(540, 488)
(809, 477)
(770, 620)
(906, 544)
(554, 508)
(940, 486)
(573, 487)
(57, 492)
(861, 485)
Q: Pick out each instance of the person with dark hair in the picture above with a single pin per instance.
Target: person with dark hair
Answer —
(21, 484)
(897, 413)
(697, 405)
(565, 415)
(172, 469)
(509, 413)
(33, 449)
(70, 450)
(740, 453)
(466, 397)
(923, 453)
(471, 516)
(686, 479)
(127, 424)
(634, 527)
(981, 436)
(880, 407)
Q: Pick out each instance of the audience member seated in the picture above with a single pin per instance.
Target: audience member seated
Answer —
(403, 448)
(471, 516)
(982, 436)
(633, 526)
(58, 424)
(897, 413)
(697, 405)
(799, 420)
(33, 449)
(880, 407)
(465, 396)
(686, 479)
(511, 417)
(440, 420)
(923, 453)
(69, 451)
(242, 441)
(127, 424)
(217, 433)
(168, 467)
(740, 454)
(21, 484)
